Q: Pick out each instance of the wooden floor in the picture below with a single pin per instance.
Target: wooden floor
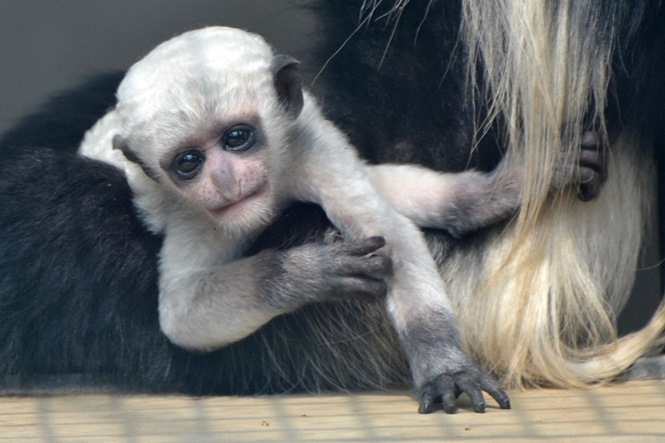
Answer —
(633, 412)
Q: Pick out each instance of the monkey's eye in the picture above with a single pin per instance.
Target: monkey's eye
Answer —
(188, 163)
(238, 138)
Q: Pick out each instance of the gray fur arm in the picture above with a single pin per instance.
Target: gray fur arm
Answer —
(417, 303)
(467, 201)
(211, 308)
(456, 202)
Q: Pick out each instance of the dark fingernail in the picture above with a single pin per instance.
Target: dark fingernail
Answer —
(425, 408)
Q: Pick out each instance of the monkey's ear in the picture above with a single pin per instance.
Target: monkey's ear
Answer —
(288, 84)
(121, 144)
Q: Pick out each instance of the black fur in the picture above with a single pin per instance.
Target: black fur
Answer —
(399, 88)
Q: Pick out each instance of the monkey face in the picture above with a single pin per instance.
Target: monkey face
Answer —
(227, 173)
(206, 116)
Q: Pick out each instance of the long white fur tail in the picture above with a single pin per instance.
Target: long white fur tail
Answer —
(615, 358)
(542, 310)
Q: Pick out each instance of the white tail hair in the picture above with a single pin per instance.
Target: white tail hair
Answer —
(544, 310)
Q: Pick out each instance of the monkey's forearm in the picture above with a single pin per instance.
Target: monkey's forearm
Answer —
(467, 201)
(422, 314)
(417, 303)
(214, 307)
(456, 202)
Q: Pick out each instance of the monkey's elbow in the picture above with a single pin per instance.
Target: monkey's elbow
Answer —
(182, 331)
(185, 329)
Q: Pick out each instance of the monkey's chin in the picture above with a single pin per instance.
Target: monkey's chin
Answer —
(255, 207)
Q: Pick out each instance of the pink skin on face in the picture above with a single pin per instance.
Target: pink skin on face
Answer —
(231, 184)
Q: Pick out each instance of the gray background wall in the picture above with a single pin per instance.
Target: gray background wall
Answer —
(47, 45)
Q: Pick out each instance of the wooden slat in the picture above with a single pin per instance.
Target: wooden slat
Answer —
(628, 412)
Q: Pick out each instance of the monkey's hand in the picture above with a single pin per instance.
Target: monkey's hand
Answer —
(474, 200)
(592, 167)
(588, 171)
(233, 300)
(442, 371)
(338, 270)
(448, 386)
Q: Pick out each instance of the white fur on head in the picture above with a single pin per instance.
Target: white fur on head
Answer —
(210, 71)
(181, 95)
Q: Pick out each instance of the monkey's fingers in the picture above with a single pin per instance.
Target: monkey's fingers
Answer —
(446, 388)
(441, 390)
(364, 247)
(586, 170)
(490, 386)
(375, 266)
(592, 167)
(353, 271)
(592, 177)
(365, 276)
(365, 288)
(472, 388)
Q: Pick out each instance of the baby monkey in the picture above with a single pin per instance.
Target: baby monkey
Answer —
(217, 137)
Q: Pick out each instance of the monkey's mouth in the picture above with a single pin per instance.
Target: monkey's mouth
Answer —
(245, 206)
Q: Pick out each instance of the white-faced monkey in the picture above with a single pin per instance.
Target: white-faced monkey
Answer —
(217, 137)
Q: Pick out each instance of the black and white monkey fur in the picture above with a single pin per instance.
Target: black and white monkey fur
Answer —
(78, 298)
(216, 138)
(550, 286)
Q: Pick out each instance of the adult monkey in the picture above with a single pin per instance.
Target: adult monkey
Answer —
(63, 328)
(532, 77)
